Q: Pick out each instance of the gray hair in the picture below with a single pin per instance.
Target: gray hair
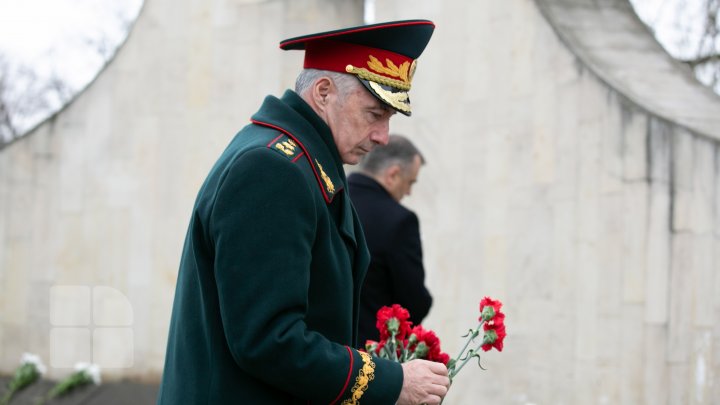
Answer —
(307, 77)
(399, 151)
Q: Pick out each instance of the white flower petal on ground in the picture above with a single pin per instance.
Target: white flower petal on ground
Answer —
(94, 372)
(91, 371)
(29, 358)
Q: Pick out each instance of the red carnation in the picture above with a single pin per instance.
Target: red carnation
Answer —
(488, 308)
(443, 358)
(494, 336)
(498, 319)
(393, 321)
(401, 342)
(431, 343)
(372, 346)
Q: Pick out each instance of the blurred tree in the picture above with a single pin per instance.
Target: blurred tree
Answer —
(706, 57)
(7, 130)
(27, 99)
(75, 46)
(690, 31)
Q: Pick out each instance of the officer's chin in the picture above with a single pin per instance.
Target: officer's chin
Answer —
(355, 157)
(352, 159)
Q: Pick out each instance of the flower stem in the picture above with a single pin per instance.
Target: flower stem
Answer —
(456, 370)
(6, 398)
(404, 356)
(475, 332)
(391, 348)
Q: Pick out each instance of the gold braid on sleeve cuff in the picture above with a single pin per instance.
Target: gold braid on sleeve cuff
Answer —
(365, 375)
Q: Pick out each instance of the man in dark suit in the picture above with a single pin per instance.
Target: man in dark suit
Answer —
(396, 274)
(267, 295)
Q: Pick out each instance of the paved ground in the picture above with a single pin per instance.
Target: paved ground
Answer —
(112, 393)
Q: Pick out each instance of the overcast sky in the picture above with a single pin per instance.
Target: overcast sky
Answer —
(63, 35)
(67, 39)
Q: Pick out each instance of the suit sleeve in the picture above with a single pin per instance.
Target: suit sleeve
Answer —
(263, 227)
(405, 262)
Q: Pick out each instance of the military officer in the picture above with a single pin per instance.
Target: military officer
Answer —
(267, 297)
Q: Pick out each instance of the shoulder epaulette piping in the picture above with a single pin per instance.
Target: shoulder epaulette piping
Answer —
(328, 199)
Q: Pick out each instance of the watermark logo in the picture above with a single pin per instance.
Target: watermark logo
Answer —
(90, 324)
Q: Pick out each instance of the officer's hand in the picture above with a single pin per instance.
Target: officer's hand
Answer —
(424, 382)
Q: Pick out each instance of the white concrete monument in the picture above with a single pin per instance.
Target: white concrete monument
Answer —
(573, 172)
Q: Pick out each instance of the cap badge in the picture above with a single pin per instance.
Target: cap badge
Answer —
(412, 70)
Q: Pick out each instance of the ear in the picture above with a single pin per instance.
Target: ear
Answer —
(321, 89)
(392, 173)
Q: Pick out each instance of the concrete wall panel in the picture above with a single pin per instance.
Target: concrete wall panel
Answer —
(595, 186)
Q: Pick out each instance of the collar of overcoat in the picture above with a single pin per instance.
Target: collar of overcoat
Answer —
(292, 116)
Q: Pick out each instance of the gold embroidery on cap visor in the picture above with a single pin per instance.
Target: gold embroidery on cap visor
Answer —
(379, 73)
(399, 101)
(374, 77)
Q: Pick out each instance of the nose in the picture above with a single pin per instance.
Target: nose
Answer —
(381, 136)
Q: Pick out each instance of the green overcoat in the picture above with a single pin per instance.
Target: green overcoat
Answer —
(266, 303)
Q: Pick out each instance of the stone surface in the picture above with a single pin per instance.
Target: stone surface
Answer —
(112, 393)
(590, 171)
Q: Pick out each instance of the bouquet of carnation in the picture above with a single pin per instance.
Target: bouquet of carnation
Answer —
(401, 342)
(30, 370)
(84, 374)
(492, 323)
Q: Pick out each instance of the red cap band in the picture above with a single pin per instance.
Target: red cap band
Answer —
(335, 56)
